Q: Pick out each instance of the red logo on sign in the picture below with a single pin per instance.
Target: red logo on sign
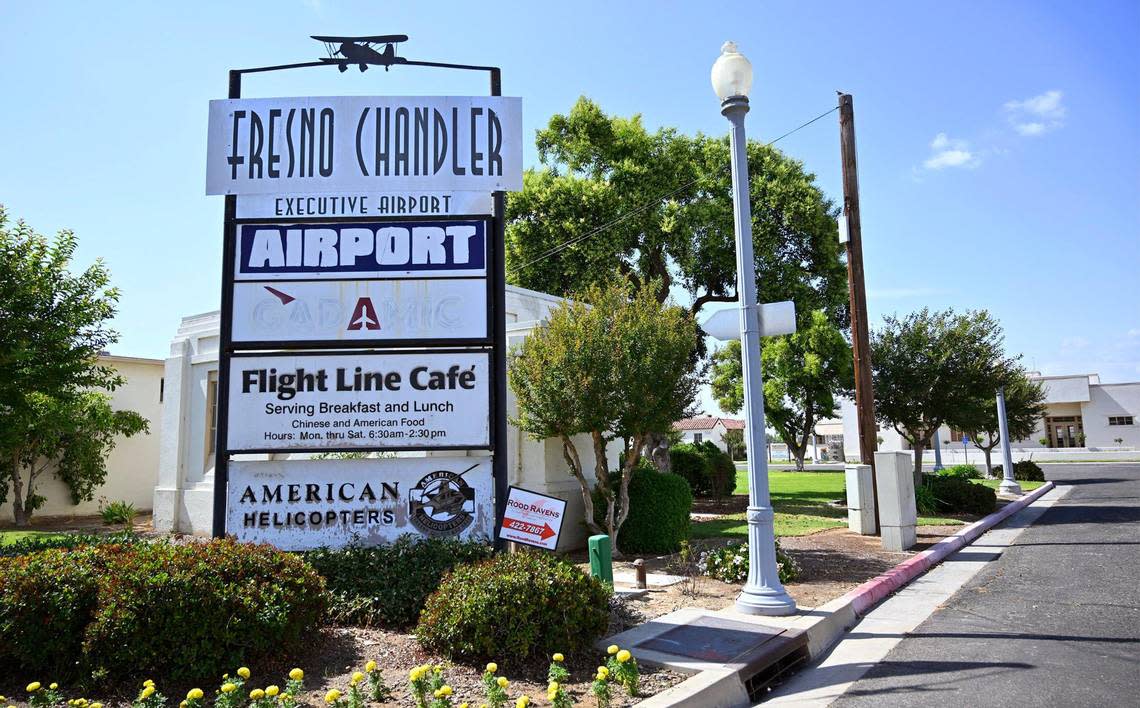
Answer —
(364, 315)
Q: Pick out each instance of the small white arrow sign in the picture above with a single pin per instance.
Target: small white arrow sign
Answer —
(776, 318)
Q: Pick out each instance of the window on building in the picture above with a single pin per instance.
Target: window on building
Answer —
(211, 412)
(955, 435)
(698, 437)
(161, 388)
(1120, 420)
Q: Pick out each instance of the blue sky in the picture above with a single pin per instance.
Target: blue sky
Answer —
(999, 142)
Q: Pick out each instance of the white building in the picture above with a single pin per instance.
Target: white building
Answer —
(183, 498)
(707, 428)
(1082, 415)
(132, 466)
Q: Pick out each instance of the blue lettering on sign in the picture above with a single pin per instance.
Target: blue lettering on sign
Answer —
(360, 248)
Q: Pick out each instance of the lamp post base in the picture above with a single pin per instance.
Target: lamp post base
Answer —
(1010, 487)
(755, 600)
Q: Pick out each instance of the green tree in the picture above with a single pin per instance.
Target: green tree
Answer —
(564, 233)
(55, 324)
(734, 441)
(615, 365)
(1024, 408)
(930, 368)
(803, 375)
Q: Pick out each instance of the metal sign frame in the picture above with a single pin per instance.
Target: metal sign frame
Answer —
(496, 278)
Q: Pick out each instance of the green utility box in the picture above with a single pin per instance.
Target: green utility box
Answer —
(601, 558)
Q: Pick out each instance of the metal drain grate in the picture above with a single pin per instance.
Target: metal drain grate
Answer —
(773, 674)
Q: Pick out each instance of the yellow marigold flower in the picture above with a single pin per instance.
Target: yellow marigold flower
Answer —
(624, 655)
(272, 691)
(256, 694)
(332, 696)
(147, 692)
(96, 705)
(503, 682)
(296, 674)
(462, 705)
(604, 671)
(523, 701)
(53, 686)
(558, 657)
(228, 688)
(492, 667)
(370, 666)
(600, 677)
(183, 704)
(195, 694)
(357, 677)
(612, 649)
(243, 672)
(148, 682)
(445, 690)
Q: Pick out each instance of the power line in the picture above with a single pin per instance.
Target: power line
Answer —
(652, 203)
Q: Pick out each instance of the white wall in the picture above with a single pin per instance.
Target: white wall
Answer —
(132, 467)
(1111, 400)
(715, 435)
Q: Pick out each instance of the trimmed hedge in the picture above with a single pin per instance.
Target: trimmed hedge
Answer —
(185, 612)
(387, 586)
(721, 470)
(515, 608)
(957, 495)
(659, 507)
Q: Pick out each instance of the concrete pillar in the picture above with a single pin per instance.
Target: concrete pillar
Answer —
(897, 512)
(860, 500)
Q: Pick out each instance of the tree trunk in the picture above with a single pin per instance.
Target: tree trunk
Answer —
(18, 514)
(570, 454)
(919, 448)
(989, 467)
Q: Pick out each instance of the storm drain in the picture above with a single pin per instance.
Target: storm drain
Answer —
(763, 656)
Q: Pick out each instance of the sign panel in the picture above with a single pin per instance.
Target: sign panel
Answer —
(355, 205)
(388, 401)
(533, 519)
(386, 249)
(303, 504)
(360, 310)
(364, 143)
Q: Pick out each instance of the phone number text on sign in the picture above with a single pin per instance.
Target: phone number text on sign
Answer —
(391, 401)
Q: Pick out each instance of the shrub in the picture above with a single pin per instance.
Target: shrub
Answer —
(721, 470)
(524, 606)
(960, 496)
(387, 586)
(924, 500)
(118, 512)
(961, 471)
(35, 544)
(659, 507)
(688, 462)
(730, 564)
(1024, 471)
(179, 611)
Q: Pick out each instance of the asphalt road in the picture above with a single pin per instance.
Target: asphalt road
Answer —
(1054, 621)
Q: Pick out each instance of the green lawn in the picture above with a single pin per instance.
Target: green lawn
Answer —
(801, 503)
(993, 484)
(7, 537)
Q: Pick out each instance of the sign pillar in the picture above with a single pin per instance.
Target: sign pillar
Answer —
(498, 269)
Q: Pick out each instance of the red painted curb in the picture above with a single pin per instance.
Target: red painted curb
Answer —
(873, 591)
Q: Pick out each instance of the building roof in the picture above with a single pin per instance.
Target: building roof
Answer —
(708, 423)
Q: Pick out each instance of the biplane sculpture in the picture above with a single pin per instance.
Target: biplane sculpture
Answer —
(362, 51)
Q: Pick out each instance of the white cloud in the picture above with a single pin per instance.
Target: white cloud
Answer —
(1037, 115)
(950, 152)
(1134, 332)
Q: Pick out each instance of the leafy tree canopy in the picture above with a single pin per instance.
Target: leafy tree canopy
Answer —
(55, 325)
(674, 194)
(616, 364)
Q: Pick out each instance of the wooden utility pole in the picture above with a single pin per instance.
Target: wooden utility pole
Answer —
(860, 338)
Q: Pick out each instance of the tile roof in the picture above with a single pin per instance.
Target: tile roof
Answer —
(707, 423)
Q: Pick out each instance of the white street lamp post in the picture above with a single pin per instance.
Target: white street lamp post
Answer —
(763, 594)
(1009, 483)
